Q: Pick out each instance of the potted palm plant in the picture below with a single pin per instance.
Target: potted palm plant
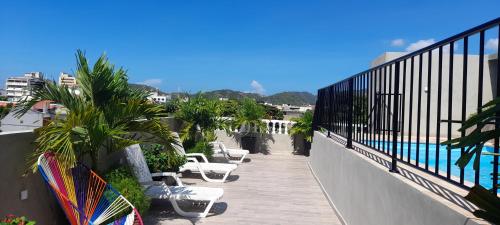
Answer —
(303, 127)
(249, 119)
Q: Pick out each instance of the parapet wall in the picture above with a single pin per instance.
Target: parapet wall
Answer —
(363, 191)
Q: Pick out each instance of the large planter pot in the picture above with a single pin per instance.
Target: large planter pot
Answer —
(307, 147)
(249, 143)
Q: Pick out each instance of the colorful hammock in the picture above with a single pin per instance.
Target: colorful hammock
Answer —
(84, 196)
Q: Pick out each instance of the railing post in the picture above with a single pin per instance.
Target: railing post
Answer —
(350, 112)
(395, 122)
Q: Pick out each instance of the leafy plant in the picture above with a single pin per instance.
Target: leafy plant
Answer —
(160, 160)
(203, 147)
(4, 110)
(229, 108)
(303, 126)
(14, 220)
(106, 114)
(123, 181)
(249, 117)
(200, 116)
(473, 144)
(273, 113)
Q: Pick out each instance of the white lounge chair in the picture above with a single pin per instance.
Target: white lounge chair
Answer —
(231, 154)
(160, 190)
(204, 166)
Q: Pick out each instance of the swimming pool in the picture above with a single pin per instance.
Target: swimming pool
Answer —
(485, 167)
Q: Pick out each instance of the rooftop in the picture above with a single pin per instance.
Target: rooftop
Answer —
(271, 189)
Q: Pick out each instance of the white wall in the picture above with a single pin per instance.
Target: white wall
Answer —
(365, 193)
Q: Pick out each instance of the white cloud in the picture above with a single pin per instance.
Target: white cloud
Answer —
(420, 44)
(397, 42)
(151, 82)
(492, 44)
(257, 87)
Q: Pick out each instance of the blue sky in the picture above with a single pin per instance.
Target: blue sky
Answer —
(259, 46)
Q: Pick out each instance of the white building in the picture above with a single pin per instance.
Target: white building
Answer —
(155, 96)
(19, 87)
(67, 80)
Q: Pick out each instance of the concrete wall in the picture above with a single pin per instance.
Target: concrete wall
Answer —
(40, 205)
(266, 143)
(363, 191)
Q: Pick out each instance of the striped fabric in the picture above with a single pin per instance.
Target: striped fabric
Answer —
(84, 196)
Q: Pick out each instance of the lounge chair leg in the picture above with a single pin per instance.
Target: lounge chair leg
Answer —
(205, 177)
(192, 214)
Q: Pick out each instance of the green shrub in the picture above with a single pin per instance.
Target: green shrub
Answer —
(160, 160)
(123, 181)
(202, 147)
(14, 220)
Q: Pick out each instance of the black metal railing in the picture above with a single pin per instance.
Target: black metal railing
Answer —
(406, 107)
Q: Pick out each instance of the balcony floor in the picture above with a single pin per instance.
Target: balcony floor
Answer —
(270, 189)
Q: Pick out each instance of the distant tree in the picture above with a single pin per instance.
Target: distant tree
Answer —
(273, 113)
(4, 110)
(3, 98)
(229, 108)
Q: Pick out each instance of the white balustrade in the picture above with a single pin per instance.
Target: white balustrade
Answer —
(273, 126)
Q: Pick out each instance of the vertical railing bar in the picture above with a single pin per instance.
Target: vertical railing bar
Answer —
(357, 105)
(480, 98)
(394, 167)
(450, 101)
(367, 111)
(384, 111)
(428, 112)
(388, 115)
(419, 109)
(497, 121)
(373, 84)
(378, 106)
(330, 111)
(438, 116)
(410, 111)
(464, 97)
(403, 102)
(350, 113)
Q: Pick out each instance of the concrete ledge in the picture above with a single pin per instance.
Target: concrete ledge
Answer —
(362, 191)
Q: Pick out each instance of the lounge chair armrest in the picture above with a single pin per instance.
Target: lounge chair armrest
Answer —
(168, 174)
(198, 154)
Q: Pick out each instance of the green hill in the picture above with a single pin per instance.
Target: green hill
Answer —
(292, 98)
(288, 97)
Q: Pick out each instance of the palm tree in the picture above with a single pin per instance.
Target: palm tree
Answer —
(303, 127)
(248, 119)
(200, 116)
(106, 115)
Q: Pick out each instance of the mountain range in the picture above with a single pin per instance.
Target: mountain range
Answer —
(296, 98)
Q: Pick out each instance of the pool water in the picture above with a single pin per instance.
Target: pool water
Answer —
(485, 166)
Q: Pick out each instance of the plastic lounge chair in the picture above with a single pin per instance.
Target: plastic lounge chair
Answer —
(204, 166)
(160, 190)
(232, 155)
(85, 197)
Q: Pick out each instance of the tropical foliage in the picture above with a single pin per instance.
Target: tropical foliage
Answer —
(273, 113)
(201, 116)
(4, 110)
(204, 147)
(473, 143)
(15, 220)
(124, 182)
(106, 114)
(159, 160)
(303, 126)
(249, 117)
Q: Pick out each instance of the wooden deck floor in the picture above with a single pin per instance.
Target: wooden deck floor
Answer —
(270, 189)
